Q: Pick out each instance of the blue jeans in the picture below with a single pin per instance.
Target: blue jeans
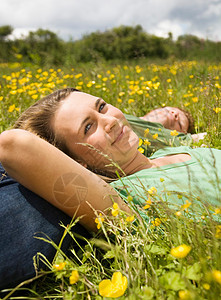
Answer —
(24, 215)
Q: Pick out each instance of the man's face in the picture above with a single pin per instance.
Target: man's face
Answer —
(170, 117)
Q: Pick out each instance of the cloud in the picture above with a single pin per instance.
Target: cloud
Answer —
(73, 18)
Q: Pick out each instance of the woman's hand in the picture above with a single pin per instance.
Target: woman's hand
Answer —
(54, 176)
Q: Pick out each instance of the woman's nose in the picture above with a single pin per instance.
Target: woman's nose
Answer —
(109, 123)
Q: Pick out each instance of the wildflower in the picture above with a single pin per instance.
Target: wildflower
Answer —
(115, 210)
(141, 150)
(206, 286)
(146, 142)
(148, 203)
(195, 99)
(186, 206)
(1, 98)
(152, 190)
(114, 287)
(130, 101)
(180, 251)
(217, 211)
(34, 97)
(155, 136)
(74, 277)
(11, 108)
(121, 94)
(140, 142)
(146, 131)
(168, 80)
(216, 274)
(119, 100)
(60, 266)
(184, 295)
(174, 133)
(156, 222)
(217, 109)
(162, 179)
(186, 104)
(178, 213)
(191, 76)
(130, 218)
(218, 232)
(99, 221)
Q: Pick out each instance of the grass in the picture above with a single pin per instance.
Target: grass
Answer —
(141, 252)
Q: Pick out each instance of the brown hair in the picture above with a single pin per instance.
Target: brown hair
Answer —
(38, 118)
(191, 127)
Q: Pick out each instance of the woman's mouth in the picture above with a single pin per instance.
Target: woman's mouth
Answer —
(119, 135)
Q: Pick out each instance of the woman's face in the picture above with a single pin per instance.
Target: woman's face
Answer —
(83, 118)
(170, 117)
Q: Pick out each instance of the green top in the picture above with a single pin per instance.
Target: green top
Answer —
(197, 178)
(164, 137)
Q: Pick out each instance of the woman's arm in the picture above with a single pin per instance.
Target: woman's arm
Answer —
(54, 176)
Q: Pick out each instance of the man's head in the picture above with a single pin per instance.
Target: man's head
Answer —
(172, 118)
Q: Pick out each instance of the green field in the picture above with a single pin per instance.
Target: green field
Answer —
(145, 258)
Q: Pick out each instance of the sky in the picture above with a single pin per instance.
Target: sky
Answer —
(71, 19)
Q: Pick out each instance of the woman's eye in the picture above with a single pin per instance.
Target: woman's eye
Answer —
(102, 106)
(87, 127)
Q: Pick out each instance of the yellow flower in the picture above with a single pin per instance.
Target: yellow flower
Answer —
(146, 142)
(60, 266)
(156, 222)
(140, 142)
(155, 136)
(130, 218)
(74, 277)
(195, 99)
(115, 287)
(99, 220)
(178, 213)
(217, 211)
(11, 108)
(186, 206)
(206, 286)
(174, 133)
(115, 210)
(1, 98)
(217, 109)
(216, 274)
(180, 251)
(162, 179)
(218, 232)
(185, 295)
(141, 150)
(130, 101)
(191, 76)
(146, 131)
(148, 203)
(152, 190)
(34, 97)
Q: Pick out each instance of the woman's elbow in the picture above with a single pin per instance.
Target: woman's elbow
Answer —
(9, 143)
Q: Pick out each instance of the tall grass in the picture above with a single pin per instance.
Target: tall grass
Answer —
(140, 251)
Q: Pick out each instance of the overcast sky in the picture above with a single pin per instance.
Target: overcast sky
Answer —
(74, 18)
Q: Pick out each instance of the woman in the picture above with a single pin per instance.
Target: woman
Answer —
(100, 140)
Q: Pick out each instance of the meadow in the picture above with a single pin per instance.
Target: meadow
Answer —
(177, 256)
